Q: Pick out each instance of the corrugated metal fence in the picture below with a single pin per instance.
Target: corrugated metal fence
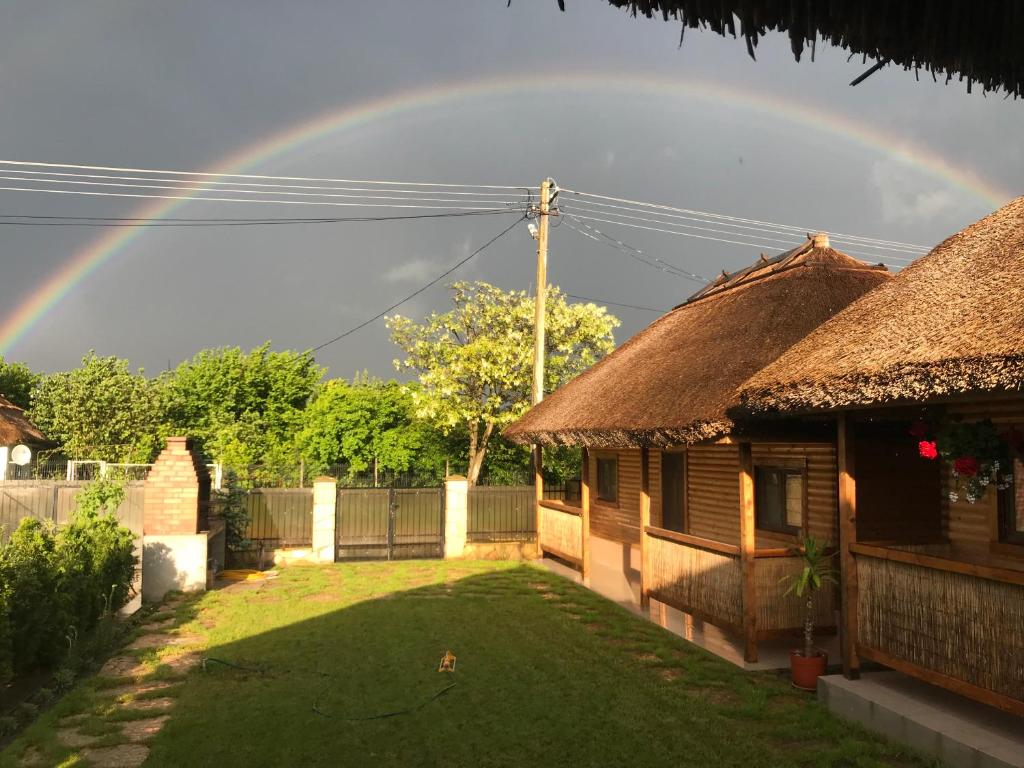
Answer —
(55, 500)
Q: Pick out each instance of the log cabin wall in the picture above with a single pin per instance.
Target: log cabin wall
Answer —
(620, 522)
(971, 525)
(713, 492)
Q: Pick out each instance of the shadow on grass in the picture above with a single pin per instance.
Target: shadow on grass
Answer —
(547, 673)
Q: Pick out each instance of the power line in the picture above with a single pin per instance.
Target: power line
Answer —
(27, 176)
(615, 303)
(86, 221)
(420, 290)
(192, 198)
(215, 174)
(206, 189)
(707, 214)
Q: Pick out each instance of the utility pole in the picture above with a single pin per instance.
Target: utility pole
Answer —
(541, 234)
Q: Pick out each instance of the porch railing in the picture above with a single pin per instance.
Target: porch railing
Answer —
(561, 530)
(955, 624)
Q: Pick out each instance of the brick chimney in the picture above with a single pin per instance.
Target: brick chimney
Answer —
(177, 491)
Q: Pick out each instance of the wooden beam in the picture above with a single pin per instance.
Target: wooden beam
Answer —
(748, 548)
(693, 541)
(847, 539)
(645, 523)
(538, 492)
(585, 505)
(977, 570)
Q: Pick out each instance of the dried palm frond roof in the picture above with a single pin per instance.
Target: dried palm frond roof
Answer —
(951, 323)
(979, 42)
(673, 382)
(14, 427)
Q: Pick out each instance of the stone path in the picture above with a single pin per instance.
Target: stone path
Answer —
(135, 711)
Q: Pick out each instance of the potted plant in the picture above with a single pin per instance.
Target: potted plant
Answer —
(808, 663)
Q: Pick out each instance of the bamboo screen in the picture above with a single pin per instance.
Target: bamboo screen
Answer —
(696, 580)
(966, 627)
(777, 610)
(561, 533)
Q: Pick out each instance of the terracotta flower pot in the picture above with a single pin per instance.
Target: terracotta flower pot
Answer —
(807, 669)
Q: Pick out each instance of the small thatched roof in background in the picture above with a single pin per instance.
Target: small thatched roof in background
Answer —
(979, 42)
(672, 382)
(14, 427)
(951, 323)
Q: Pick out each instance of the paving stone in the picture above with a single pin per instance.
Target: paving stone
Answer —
(144, 705)
(71, 720)
(182, 663)
(140, 730)
(135, 689)
(123, 666)
(30, 758)
(121, 756)
(72, 737)
(154, 626)
(144, 642)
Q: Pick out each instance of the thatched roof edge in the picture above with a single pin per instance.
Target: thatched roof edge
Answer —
(695, 432)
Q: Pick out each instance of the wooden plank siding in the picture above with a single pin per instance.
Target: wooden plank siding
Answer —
(713, 492)
(621, 522)
(971, 525)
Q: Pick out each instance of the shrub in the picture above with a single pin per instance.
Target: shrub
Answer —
(56, 584)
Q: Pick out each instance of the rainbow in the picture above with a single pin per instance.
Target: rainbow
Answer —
(78, 268)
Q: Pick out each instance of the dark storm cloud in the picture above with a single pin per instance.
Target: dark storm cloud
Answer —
(181, 85)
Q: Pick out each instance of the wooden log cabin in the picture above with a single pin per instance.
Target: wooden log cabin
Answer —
(681, 504)
(925, 375)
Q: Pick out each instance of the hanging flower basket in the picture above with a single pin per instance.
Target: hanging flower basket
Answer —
(980, 455)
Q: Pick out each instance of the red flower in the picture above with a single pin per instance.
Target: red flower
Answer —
(919, 429)
(966, 466)
(927, 450)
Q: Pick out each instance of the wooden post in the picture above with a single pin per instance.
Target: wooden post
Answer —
(538, 337)
(538, 491)
(748, 544)
(585, 505)
(847, 537)
(645, 521)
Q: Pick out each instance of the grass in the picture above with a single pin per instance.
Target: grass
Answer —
(548, 673)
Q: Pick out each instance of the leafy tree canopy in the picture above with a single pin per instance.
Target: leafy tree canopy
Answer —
(16, 382)
(98, 411)
(243, 408)
(475, 362)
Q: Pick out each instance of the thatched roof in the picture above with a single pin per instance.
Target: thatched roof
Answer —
(951, 323)
(672, 382)
(14, 427)
(953, 39)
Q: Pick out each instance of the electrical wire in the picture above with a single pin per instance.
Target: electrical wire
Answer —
(26, 163)
(615, 303)
(85, 221)
(742, 220)
(420, 290)
(27, 176)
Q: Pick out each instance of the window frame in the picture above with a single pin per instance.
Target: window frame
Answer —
(790, 466)
(1006, 532)
(685, 526)
(598, 499)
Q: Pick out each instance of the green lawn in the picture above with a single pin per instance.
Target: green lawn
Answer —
(548, 674)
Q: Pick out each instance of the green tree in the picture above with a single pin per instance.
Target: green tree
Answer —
(366, 420)
(17, 381)
(475, 362)
(243, 408)
(100, 410)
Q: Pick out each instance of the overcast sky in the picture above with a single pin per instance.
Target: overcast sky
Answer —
(183, 85)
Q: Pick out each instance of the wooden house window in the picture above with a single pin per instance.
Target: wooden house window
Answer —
(673, 491)
(779, 499)
(1011, 507)
(608, 479)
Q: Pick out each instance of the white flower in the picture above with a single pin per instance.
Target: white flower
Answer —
(953, 496)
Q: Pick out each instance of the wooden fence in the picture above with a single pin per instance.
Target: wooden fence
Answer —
(280, 517)
(501, 513)
(55, 500)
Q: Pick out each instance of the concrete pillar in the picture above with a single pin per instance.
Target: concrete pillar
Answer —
(175, 528)
(456, 512)
(325, 499)
(4, 458)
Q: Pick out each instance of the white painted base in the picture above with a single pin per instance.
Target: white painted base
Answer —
(173, 562)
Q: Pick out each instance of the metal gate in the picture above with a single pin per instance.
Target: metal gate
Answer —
(390, 523)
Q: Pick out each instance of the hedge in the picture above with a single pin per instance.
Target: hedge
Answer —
(56, 584)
